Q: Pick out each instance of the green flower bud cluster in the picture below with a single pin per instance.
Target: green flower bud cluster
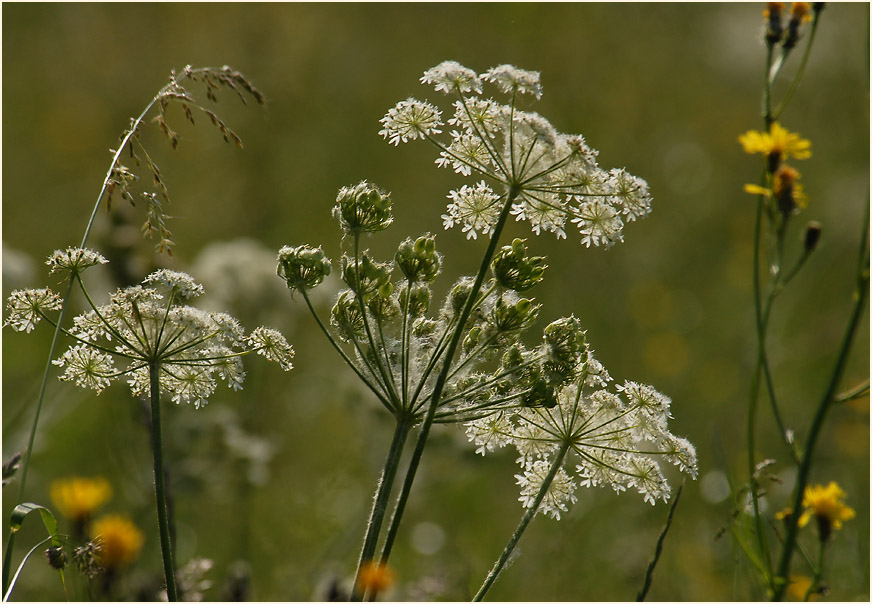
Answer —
(302, 267)
(367, 278)
(513, 269)
(513, 317)
(347, 318)
(363, 208)
(419, 260)
(418, 296)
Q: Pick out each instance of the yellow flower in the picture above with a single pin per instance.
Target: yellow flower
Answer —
(777, 144)
(785, 189)
(798, 588)
(78, 498)
(120, 541)
(826, 504)
(801, 11)
(374, 577)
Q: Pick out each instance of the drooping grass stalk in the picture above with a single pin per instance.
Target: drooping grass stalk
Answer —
(166, 545)
(441, 378)
(7, 561)
(522, 525)
(861, 292)
(380, 502)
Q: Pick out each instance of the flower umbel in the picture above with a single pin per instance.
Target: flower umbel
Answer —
(147, 326)
(550, 178)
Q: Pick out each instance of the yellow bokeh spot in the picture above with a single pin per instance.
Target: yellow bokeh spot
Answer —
(374, 577)
(666, 353)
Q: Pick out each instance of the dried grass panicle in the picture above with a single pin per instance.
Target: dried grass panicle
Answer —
(123, 178)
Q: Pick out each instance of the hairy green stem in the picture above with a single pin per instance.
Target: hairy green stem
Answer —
(159, 486)
(522, 525)
(443, 375)
(380, 503)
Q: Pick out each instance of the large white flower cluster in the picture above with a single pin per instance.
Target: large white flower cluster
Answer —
(144, 326)
(593, 435)
(551, 179)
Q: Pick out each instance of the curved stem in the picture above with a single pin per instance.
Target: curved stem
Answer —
(380, 503)
(159, 486)
(436, 396)
(522, 525)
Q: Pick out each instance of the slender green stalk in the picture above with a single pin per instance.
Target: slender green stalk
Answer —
(443, 374)
(860, 295)
(159, 486)
(383, 493)
(752, 404)
(649, 572)
(522, 525)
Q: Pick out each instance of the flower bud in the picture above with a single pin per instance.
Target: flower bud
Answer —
(363, 208)
(419, 260)
(346, 317)
(365, 277)
(458, 295)
(418, 297)
(512, 268)
(302, 267)
(564, 338)
(508, 317)
(56, 556)
(541, 394)
(812, 235)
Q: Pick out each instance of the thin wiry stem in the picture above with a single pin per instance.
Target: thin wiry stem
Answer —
(522, 525)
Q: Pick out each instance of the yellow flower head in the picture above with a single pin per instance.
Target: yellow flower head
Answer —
(784, 188)
(798, 588)
(78, 498)
(776, 145)
(120, 541)
(374, 577)
(801, 11)
(826, 504)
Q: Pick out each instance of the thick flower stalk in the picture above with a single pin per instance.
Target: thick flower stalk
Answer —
(147, 335)
(555, 176)
(588, 436)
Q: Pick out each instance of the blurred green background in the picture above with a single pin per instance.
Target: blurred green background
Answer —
(280, 475)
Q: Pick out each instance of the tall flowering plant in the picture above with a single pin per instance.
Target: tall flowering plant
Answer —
(467, 364)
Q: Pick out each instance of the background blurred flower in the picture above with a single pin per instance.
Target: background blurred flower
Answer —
(78, 498)
(119, 540)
